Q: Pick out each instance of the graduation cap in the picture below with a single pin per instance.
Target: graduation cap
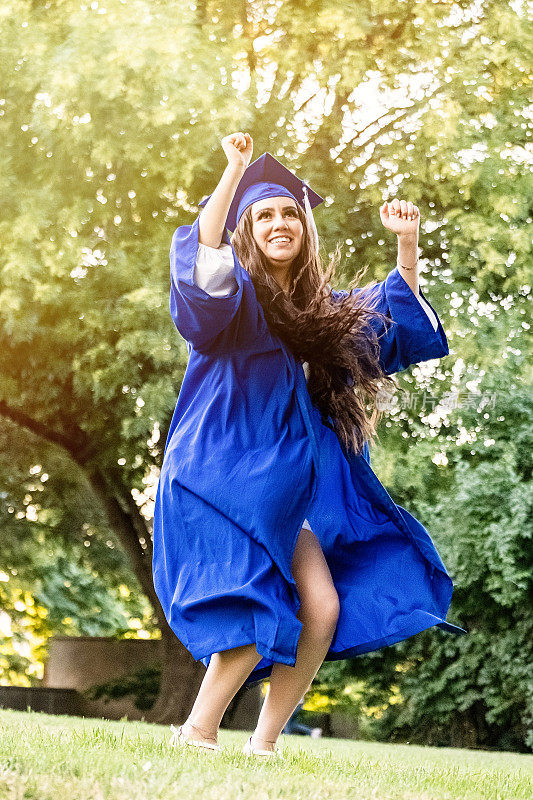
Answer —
(267, 177)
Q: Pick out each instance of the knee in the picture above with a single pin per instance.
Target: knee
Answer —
(321, 617)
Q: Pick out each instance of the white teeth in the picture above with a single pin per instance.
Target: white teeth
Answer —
(280, 239)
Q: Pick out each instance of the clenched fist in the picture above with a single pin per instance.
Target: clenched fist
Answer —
(238, 148)
(401, 217)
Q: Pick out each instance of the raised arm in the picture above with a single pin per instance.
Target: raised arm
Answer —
(238, 148)
(416, 333)
(403, 218)
(224, 321)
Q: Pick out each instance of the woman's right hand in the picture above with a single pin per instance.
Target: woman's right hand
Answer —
(238, 148)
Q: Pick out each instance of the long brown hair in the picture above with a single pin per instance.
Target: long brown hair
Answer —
(333, 336)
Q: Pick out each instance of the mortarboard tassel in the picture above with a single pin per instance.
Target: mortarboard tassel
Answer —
(310, 218)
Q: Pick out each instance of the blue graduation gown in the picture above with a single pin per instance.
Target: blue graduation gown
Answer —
(248, 458)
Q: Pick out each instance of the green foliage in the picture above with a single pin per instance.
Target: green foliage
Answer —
(142, 684)
(62, 571)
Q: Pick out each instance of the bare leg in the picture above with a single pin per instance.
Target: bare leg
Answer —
(225, 675)
(318, 612)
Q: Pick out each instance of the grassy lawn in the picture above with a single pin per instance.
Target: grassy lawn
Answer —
(44, 757)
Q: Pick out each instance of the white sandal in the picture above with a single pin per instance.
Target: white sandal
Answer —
(178, 739)
(250, 750)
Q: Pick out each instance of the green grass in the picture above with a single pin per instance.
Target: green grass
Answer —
(44, 757)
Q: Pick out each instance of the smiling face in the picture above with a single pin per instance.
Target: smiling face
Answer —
(277, 230)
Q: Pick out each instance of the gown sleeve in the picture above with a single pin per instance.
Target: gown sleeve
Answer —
(416, 333)
(211, 323)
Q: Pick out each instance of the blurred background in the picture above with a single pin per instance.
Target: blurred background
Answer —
(111, 115)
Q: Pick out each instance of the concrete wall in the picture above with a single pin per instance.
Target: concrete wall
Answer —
(79, 662)
(51, 701)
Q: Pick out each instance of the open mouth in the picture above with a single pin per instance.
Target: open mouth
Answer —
(280, 240)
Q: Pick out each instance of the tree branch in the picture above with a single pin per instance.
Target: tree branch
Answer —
(69, 444)
(248, 36)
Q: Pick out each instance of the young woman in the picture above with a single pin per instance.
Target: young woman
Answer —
(275, 544)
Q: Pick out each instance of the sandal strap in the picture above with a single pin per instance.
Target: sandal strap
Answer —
(258, 752)
(182, 739)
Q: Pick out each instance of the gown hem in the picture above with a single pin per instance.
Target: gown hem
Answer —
(263, 649)
(368, 647)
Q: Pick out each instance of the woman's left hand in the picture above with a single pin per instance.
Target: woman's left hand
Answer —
(400, 217)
